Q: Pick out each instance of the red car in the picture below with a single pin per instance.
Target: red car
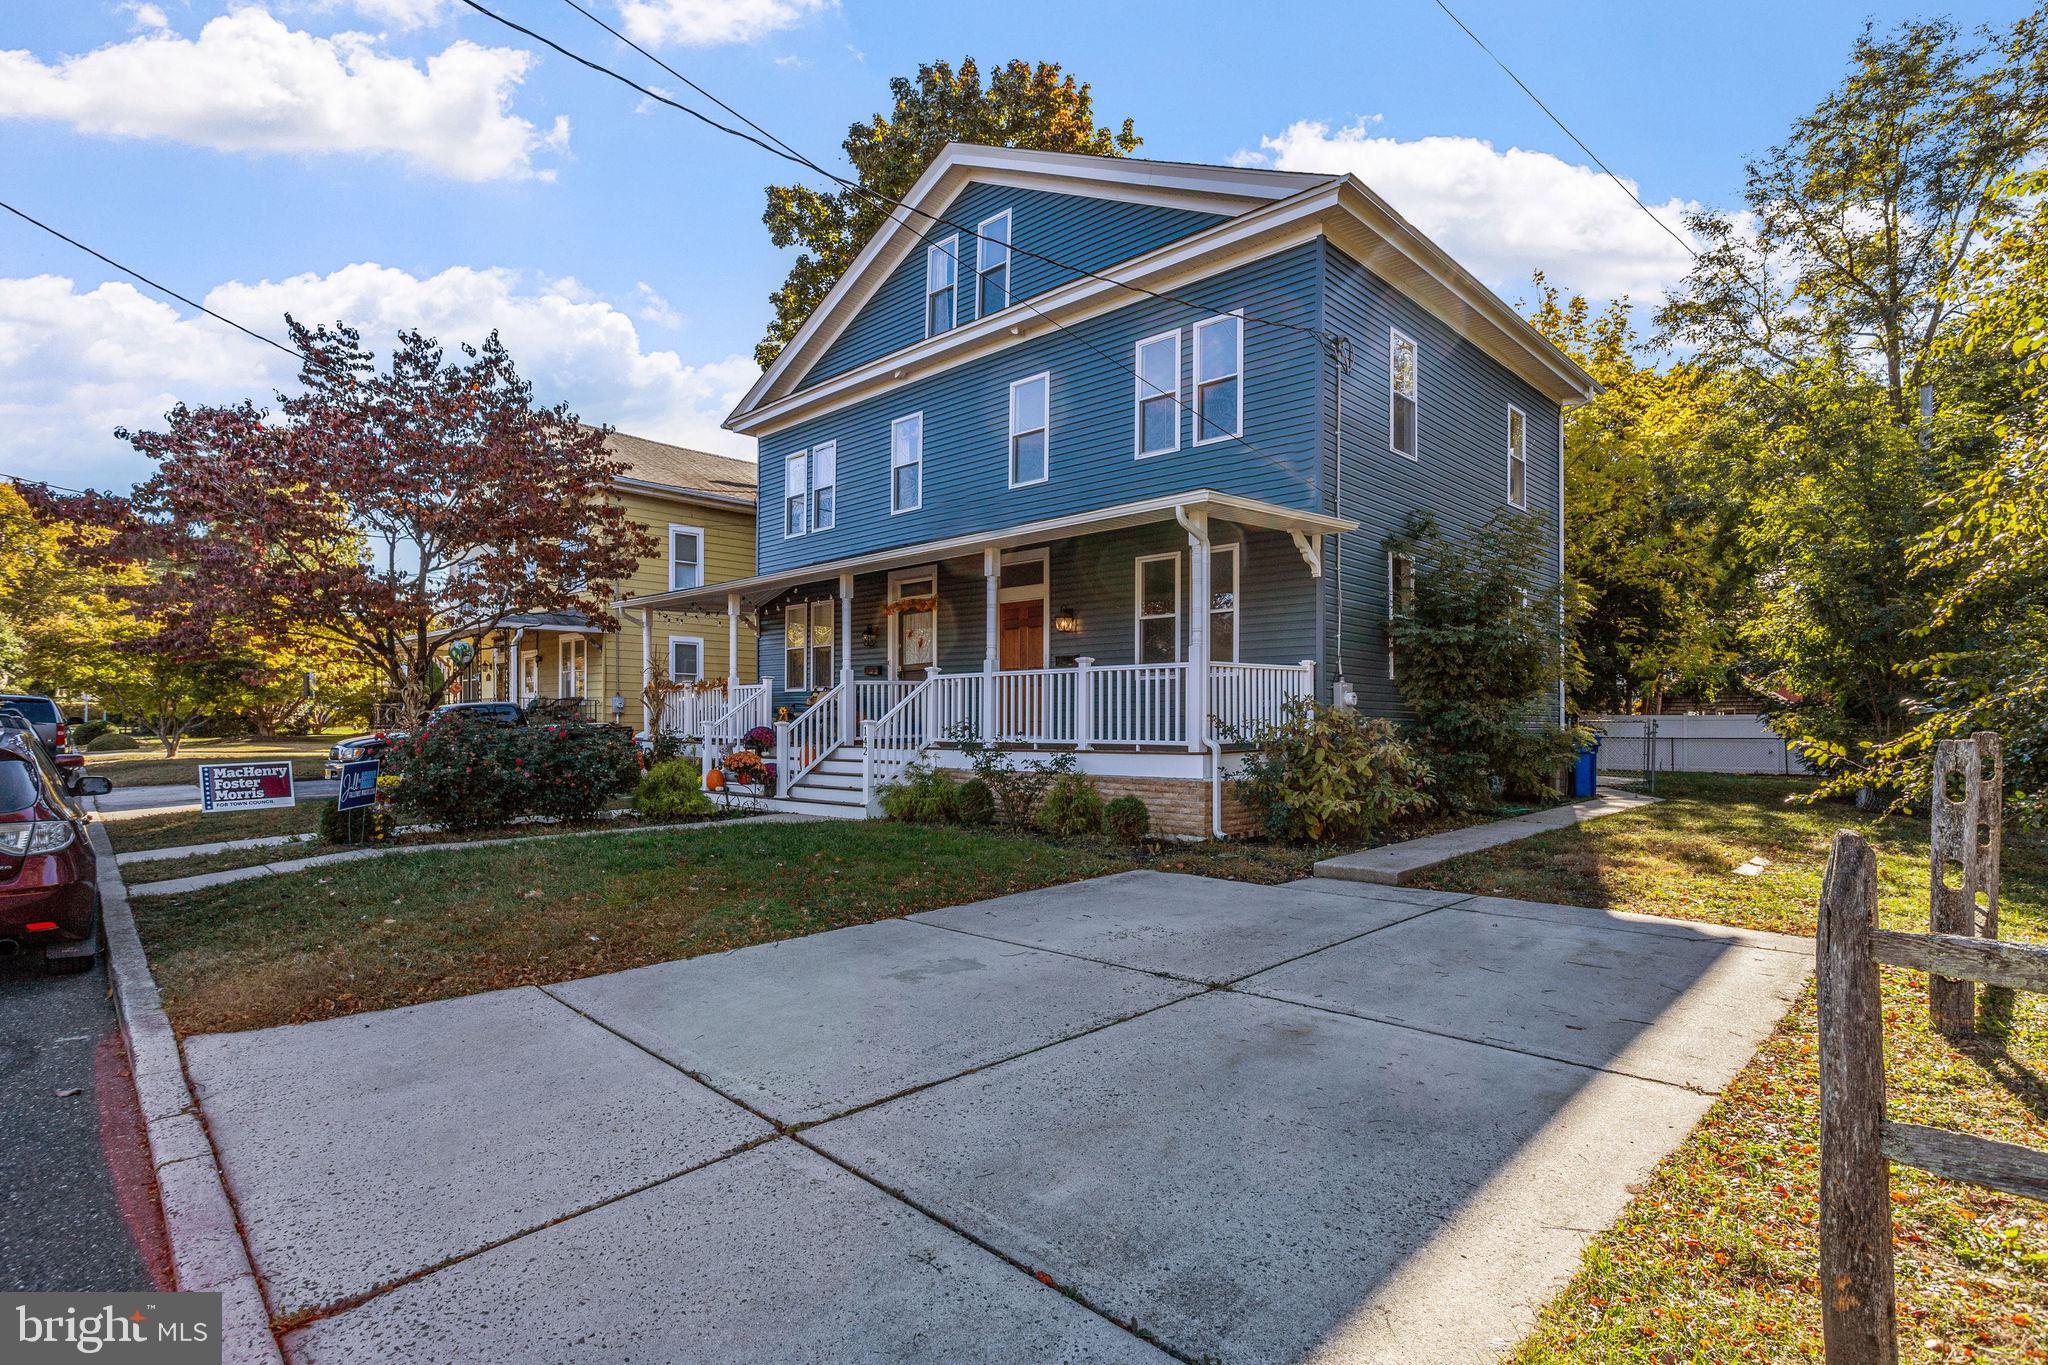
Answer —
(49, 895)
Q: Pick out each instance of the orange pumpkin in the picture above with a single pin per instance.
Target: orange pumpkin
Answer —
(714, 780)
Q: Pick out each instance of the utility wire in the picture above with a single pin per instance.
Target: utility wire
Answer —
(1619, 182)
(160, 288)
(776, 147)
(45, 483)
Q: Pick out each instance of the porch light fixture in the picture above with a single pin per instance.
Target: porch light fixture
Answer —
(1066, 623)
(868, 638)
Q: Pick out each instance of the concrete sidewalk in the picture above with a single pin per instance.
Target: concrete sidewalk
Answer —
(1393, 864)
(1323, 1121)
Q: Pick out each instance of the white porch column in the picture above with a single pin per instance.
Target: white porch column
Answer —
(846, 706)
(991, 577)
(732, 646)
(647, 669)
(1197, 523)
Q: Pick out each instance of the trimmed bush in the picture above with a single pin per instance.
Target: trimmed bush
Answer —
(1070, 807)
(371, 825)
(1328, 774)
(923, 796)
(673, 790)
(86, 732)
(975, 802)
(462, 773)
(1128, 818)
(576, 769)
(113, 742)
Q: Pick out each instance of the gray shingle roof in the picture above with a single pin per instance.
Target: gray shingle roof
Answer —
(680, 467)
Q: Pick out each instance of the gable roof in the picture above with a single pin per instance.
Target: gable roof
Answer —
(658, 466)
(1268, 209)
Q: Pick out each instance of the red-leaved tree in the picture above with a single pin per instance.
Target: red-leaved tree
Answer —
(389, 511)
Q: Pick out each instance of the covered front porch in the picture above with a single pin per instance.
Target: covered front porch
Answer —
(1156, 628)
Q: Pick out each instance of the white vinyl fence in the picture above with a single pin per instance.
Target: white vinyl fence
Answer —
(1691, 744)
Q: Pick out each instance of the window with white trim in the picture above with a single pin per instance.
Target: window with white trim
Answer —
(941, 276)
(992, 265)
(906, 463)
(686, 658)
(822, 634)
(1400, 598)
(1030, 410)
(807, 634)
(1223, 604)
(685, 556)
(824, 484)
(1518, 458)
(1219, 378)
(1158, 400)
(795, 493)
(1158, 608)
(573, 670)
(1404, 386)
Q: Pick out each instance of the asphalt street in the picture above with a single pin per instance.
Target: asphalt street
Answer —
(77, 1206)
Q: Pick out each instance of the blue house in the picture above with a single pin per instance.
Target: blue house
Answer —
(1099, 454)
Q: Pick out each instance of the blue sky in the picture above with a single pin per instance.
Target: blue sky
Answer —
(409, 162)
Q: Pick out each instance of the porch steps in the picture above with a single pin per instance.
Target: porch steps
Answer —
(834, 786)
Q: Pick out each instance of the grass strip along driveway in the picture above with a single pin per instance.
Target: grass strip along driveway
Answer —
(1717, 1256)
(147, 766)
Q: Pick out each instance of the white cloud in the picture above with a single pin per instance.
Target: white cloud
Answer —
(145, 16)
(1503, 215)
(654, 308)
(247, 83)
(75, 365)
(701, 23)
(404, 15)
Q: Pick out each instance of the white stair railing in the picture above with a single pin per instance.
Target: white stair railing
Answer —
(802, 744)
(746, 708)
(893, 741)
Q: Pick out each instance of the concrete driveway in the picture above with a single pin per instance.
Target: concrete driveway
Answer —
(1130, 1119)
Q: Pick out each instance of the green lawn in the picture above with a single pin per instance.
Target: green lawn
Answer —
(1716, 1258)
(147, 766)
(176, 829)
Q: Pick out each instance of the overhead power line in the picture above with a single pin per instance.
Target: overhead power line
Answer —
(1621, 184)
(138, 275)
(775, 146)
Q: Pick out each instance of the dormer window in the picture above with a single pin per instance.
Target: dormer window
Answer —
(941, 275)
(992, 265)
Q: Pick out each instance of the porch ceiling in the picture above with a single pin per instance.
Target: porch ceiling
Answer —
(1220, 506)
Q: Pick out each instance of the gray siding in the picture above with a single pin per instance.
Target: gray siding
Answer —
(1461, 476)
(1092, 461)
(1078, 231)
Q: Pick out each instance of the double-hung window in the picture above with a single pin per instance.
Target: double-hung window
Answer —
(941, 275)
(906, 463)
(795, 493)
(1223, 604)
(1518, 459)
(1030, 410)
(1404, 382)
(1159, 394)
(992, 265)
(807, 631)
(1400, 598)
(1158, 602)
(1219, 378)
(822, 630)
(686, 658)
(824, 484)
(685, 556)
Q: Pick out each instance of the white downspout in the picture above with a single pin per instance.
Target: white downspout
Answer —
(518, 669)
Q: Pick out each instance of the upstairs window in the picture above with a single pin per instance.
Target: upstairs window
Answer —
(1159, 609)
(1159, 394)
(795, 493)
(1518, 459)
(1400, 598)
(1219, 373)
(824, 484)
(1404, 384)
(685, 557)
(992, 265)
(1029, 405)
(941, 275)
(906, 463)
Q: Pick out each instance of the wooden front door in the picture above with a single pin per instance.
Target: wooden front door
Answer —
(1023, 637)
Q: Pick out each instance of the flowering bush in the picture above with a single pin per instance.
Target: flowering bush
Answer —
(746, 766)
(760, 739)
(462, 773)
(576, 769)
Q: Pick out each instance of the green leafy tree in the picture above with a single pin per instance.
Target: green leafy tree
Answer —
(1023, 105)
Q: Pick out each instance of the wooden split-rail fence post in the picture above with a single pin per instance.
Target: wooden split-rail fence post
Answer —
(1857, 1143)
(1967, 818)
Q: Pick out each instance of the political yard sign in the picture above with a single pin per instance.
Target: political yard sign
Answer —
(358, 785)
(245, 786)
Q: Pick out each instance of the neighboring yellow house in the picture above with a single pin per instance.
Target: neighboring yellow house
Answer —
(700, 510)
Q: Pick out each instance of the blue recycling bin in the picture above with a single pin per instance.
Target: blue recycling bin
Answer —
(1586, 773)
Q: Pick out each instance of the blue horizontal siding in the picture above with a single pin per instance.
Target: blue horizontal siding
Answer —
(1075, 230)
(1092, 461)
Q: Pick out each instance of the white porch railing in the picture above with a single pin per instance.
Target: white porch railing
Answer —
(1037, 706)
(1243, 697)
(745, 708)
(1139, 704)
(894, 740)
(801, 744)
(874, 698)
(955, 702)
(1126, 705)
(683, 713)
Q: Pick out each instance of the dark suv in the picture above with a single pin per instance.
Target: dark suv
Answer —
(49, 893)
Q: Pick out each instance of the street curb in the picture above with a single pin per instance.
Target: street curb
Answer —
(207, 1253)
